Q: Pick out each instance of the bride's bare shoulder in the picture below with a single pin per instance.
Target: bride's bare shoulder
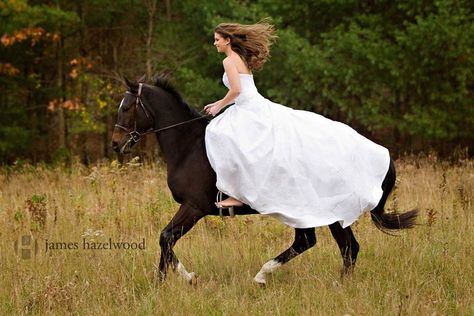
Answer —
(229, 61)
(236, 61)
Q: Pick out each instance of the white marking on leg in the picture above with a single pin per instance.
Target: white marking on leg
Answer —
(185, 274)
(268, 267)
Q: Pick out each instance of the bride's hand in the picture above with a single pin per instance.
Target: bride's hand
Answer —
(212, 108)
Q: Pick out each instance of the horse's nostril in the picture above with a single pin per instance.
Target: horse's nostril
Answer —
(114, 145)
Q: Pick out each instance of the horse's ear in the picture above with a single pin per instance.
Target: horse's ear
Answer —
(132, 86)
(127, 82)
(142, 79)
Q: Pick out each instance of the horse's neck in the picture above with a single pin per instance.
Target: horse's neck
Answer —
(177, 142)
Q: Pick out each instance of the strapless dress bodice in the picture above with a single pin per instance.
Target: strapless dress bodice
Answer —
(247, 85)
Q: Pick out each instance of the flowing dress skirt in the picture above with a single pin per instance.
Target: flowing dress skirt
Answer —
(298, 166)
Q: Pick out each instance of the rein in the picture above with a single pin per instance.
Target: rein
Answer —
(136, 135)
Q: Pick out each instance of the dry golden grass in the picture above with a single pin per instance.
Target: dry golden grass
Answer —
(425, 271)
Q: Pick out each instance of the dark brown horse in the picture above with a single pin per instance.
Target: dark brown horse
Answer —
(180, 131)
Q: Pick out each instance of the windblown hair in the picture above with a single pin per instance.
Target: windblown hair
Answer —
(252, 42)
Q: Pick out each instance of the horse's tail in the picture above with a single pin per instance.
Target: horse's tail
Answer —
(394, 220)
(391, 220)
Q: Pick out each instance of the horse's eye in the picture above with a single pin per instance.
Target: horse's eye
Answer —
(123, 106)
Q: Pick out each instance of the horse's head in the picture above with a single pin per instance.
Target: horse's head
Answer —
(134, 118)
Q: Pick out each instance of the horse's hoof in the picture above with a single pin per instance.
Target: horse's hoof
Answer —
(260, 281)
(347, 272)
(158, 277)
(193, 279)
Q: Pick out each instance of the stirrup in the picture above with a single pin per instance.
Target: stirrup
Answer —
(230, 209)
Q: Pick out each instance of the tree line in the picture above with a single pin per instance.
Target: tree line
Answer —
(399, 72)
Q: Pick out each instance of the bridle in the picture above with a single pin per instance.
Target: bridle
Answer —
(135, 135)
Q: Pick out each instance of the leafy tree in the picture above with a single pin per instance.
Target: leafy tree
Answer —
(400, 70)
(30, 34)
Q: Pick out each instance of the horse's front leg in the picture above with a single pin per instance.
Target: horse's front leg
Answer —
(179, 225)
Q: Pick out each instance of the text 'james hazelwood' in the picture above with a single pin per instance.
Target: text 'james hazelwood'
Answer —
(95, 245)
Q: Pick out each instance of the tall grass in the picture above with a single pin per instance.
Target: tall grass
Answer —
(428, 270)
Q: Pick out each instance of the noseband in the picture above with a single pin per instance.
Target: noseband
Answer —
(135, 135)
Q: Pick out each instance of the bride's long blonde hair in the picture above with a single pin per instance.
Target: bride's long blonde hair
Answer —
(252, 42)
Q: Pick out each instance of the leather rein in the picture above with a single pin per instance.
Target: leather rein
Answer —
(135, 135)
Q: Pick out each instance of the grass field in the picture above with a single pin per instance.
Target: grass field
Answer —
(428, 270)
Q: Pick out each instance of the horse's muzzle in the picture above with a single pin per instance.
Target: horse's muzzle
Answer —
(115, 146)
(124, 146)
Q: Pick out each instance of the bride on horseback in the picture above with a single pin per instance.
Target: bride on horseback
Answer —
(295, 165)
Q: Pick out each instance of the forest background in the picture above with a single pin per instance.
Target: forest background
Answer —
(399, 72)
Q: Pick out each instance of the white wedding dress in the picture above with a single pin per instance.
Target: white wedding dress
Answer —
(298, 166)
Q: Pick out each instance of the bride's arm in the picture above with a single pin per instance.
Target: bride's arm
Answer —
(234, 82)
(234, 90)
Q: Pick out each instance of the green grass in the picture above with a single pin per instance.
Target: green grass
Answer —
(424, 271)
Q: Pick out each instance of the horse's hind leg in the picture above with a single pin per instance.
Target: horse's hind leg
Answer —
(348, 246)
(181, 223)
(304, 239)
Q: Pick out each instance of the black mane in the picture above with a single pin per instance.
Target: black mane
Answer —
(165, 84)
